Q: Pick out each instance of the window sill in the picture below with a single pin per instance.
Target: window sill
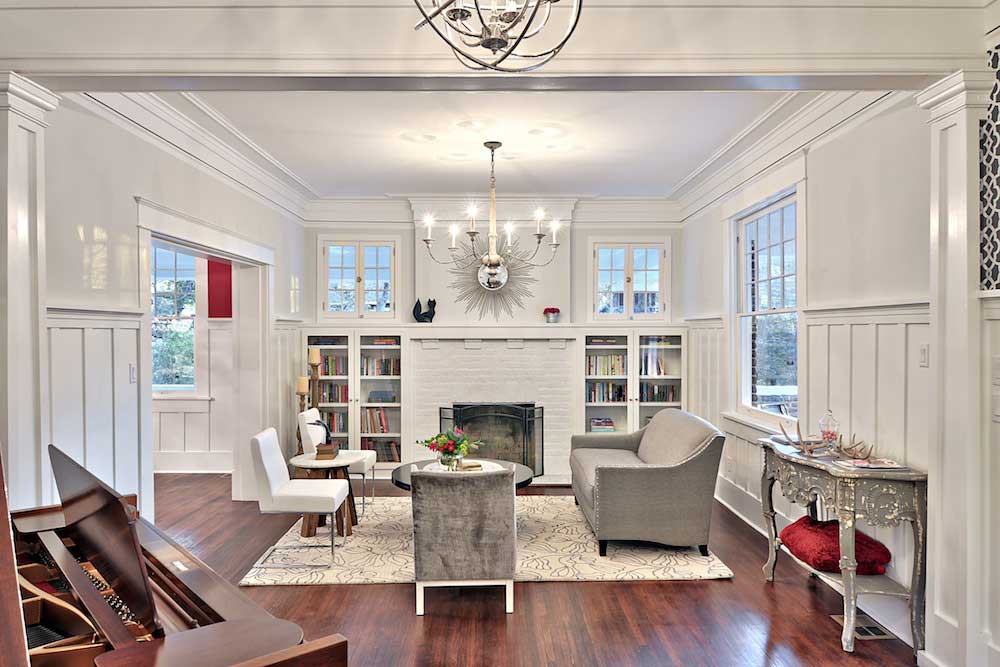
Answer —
(762, 426)
(180, 396)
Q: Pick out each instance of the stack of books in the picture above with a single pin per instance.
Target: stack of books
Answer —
(385, 341)
(602, 425)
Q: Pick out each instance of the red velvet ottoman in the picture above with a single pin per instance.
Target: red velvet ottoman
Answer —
(817, 543)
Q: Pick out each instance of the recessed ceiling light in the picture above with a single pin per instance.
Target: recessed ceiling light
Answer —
(456, 156)
(558, 147)
(474, 123)
(418, 137)
(550, 130)
(509, 156)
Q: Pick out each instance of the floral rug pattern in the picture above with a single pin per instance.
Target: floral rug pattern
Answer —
(554, 543)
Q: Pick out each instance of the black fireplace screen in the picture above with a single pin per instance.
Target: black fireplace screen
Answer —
(510, 431)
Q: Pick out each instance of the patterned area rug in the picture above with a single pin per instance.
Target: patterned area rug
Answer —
(554, 543)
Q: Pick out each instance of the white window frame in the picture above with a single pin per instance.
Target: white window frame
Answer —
(778, 201)
(322, 275)
(629, 315)
(199, 319)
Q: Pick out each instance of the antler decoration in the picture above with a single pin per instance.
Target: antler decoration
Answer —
(857, 449)
(799, 443)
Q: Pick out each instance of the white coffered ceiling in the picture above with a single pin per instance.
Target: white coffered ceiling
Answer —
(351, 144)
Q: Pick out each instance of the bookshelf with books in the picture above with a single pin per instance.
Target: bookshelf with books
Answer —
(380, 372)
(360, 392)
(631, 375)
(334, 384)
(606, 369)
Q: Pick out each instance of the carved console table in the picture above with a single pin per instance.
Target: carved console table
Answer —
(879, 497)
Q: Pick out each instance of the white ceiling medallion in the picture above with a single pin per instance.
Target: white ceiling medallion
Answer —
(489, 34)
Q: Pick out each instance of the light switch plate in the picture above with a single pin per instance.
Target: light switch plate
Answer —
(925, 355)
(132, 375)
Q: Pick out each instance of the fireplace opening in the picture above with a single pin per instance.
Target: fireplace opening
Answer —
(510, 431)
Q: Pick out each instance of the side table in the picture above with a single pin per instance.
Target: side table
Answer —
(329, 469)
(879, 497)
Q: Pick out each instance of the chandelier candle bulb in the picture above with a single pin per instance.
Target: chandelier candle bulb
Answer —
(428, 223)
(555, 231)
(509, 228)
(454, 237)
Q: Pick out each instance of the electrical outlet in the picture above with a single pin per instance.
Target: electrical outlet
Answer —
(132, 374)
(925, 355)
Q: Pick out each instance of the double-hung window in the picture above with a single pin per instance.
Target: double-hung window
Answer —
(630, 281)
(767, 316)
(173, 320)
(357, 278)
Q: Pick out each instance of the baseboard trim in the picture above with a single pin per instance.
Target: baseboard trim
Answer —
(193, 462)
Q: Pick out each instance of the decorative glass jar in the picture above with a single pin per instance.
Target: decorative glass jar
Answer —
(829, 429)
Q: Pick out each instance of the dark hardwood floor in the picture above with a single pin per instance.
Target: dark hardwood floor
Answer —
(735, 623)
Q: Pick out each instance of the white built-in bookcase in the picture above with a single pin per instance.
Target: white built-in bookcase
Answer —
(362, 389)
(630, 375)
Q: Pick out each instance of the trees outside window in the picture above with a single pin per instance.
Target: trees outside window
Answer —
(768, 318)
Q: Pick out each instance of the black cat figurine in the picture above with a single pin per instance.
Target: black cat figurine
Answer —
(421, 315)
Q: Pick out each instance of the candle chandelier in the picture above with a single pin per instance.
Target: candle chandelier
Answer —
(489, 34)
(498, 258)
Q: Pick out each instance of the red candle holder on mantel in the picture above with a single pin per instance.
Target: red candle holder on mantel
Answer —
(551, 315)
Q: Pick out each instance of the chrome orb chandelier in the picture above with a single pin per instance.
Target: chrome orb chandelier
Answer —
(489, 34)
(498, 256)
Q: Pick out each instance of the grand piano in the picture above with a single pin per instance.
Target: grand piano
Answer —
(90, 583)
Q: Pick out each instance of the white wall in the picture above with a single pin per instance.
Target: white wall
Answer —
(864, 194)
(868, 194)
(95, 168)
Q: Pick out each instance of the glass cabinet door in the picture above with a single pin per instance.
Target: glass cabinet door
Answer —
(333, 400)
(660, 373)
(379, 394)
(606, 383)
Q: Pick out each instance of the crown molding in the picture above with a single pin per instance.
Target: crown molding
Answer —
(627, 210)
(965, 89)
(822, 118)
(26, 98)
(219, 118)
(151, 118)
(354, 210)
(716, 159)
(515, 208)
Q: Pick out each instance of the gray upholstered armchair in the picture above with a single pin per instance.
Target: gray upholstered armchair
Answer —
(654, 485)
(464, 531)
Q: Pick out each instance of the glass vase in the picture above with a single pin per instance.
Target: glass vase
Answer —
(450, 462)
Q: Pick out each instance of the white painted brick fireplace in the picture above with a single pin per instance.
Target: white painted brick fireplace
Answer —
(499, 370)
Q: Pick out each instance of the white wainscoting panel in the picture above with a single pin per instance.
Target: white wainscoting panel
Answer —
(94, 393)
(708, 379)
(197, 434)
(287, 363)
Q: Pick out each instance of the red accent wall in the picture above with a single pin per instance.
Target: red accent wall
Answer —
(220, 288)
